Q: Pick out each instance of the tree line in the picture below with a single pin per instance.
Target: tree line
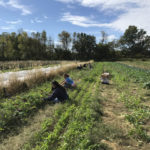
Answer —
(79, 46)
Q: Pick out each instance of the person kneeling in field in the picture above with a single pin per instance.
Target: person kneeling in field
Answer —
(59, 93)
(68, 82)
(105, 78)
(80, 67)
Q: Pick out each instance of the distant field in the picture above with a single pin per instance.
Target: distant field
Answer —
(6, 66)
(138, 63)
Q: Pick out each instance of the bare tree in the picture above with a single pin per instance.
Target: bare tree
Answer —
(104, 37)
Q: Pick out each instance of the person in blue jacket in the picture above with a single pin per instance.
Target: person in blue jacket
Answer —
(59, 93)
(68, 82)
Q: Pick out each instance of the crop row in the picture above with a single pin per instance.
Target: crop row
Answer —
(145, 65)
(14, 110)
(74, 125)
(59, 116)
(139, 114)
(138, 74)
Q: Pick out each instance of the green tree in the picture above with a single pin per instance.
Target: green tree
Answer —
(3, 45)
(84, 45)
(50, 48)
(135, 41)
(102, 52)
(22, 45)
(65, 39)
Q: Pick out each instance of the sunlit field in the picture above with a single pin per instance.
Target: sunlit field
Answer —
(96, 116)
(75, 75)
(144, 64)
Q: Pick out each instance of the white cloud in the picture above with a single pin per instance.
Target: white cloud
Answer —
(30, 31)
(66, 1)
(45, 17)
(16, 5)
(23, 8)
(2, 3)
(14, 22)
(71, 6)
(135, 12)
(109, 4)
(111, 37)
(36, 20)
(7, 27)
(81, 21)
(136, 16)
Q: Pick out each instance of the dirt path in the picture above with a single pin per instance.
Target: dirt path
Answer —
(26, 132)
(114, 118)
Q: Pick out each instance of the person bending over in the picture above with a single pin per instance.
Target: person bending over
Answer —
(59, 93)
(68, 82)
(79, 67)
(105, 78)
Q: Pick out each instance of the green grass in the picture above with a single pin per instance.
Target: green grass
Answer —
(73, 127)
(77, 123)
(126, 76)
(16, 109)
(144, 64)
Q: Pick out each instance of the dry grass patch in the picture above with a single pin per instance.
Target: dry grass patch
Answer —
(17, 86)
(114, 120)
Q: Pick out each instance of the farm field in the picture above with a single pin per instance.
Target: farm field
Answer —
(138, 63)
(96, 116)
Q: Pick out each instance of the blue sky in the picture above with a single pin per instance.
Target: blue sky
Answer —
(89, 16)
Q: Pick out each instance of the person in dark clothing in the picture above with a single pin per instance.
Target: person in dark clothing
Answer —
(84, 65)
(80, 67)
(59, 93)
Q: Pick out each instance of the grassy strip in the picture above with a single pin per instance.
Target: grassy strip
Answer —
(138, 64)
(85, 117)
(139, 114)
(54, 136)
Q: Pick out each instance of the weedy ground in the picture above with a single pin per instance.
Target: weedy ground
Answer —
(96, 117)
